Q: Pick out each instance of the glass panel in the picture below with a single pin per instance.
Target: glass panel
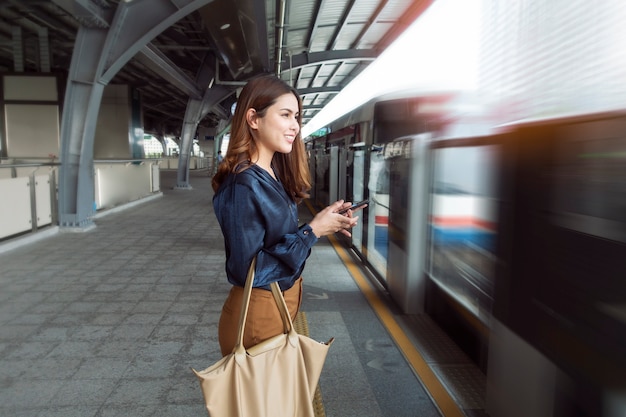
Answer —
(462, 225)
(358, 189)
(379, 212)
(321, 177)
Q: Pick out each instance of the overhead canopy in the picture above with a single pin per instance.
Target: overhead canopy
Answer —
(317, 46)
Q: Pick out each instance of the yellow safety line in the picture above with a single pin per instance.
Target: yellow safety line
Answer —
(440, 395)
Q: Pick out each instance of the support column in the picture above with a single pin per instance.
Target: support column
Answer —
(82, 104)
(196, 110)
(186, 142)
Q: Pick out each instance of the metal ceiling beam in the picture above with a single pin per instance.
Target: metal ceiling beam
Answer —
(281, 13)
(87, 12)
(314, 29)
(334, 72)
(51, 16)
(156, 61)
(316, 72)
(313, 107)
(343, 22)
(127, 39)
(315, 26)
(19, 20)
(315, 58)
(369, 23)
(260, 17)
(319, 90)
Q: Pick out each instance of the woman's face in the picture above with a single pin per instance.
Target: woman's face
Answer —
(277, 130)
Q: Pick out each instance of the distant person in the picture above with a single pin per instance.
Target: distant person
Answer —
(220, 158)
(258, 187)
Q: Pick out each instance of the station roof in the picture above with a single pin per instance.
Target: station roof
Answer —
(318, 46)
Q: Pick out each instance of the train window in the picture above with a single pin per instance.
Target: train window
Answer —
(462, 225)
(590, 186)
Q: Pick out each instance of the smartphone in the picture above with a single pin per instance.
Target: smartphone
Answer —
(353, 206)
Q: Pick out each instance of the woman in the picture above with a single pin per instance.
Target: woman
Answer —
(262, 178)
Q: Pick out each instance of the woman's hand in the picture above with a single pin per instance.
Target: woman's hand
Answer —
(328, 221)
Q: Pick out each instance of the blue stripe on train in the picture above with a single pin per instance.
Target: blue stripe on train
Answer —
(456, 235)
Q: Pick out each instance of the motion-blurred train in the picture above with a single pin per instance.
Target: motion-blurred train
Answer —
(512, 237)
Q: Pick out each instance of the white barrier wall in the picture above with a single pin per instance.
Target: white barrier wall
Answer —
(156, 177)
(195, 162)
(15, 216)
(16, 206)
(43, 200)
(116, 184)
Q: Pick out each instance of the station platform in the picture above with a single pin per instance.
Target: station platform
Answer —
(109, 322)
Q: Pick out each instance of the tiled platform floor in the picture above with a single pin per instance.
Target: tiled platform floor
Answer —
(108, 322)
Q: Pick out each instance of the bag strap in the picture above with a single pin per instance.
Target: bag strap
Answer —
(284, 313)
(280, 302)
(282, 307)
(247, 291)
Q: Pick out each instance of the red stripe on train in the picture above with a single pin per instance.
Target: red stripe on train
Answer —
(461, 221)
(381, 220)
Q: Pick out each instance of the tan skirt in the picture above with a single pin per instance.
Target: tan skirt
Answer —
(263, 319)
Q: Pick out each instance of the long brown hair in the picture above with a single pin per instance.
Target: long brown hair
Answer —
(291, 168)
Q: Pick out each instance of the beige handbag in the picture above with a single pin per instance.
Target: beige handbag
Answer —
(276, 378)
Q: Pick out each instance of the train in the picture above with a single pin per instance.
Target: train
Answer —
(511, 236)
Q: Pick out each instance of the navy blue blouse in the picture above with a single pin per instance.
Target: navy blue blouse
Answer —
(257, 217)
